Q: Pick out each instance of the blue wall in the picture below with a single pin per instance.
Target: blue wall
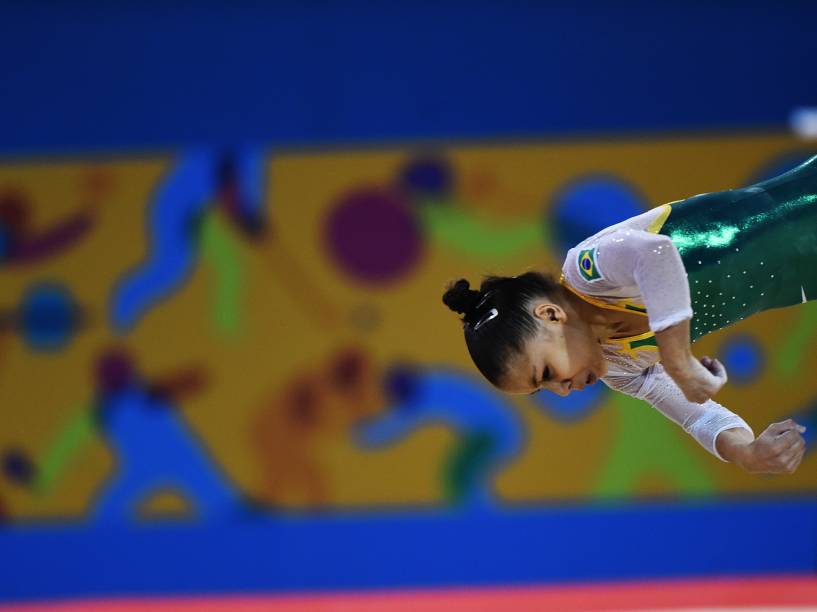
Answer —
(97, 75)
(564, 544)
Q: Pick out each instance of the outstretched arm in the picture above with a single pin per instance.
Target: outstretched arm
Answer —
(704, 422)
(779, 449)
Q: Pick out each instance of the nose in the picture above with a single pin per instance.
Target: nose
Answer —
(576, 384)
(584, 379)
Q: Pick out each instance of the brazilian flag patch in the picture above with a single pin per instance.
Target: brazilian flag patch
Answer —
(587, 265)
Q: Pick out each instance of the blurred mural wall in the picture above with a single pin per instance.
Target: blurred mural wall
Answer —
(217, 327)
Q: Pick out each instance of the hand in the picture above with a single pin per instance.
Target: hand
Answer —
(778, 450)
(699, 380)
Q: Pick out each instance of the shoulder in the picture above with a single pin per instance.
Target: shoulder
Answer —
(650, 221)
(610, 255)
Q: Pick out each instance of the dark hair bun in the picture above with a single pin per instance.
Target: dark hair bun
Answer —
(460, 297)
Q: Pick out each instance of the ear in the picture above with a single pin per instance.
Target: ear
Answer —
(549, 312)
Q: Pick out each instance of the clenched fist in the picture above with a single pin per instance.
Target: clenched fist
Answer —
(778, 450)
(699, 380)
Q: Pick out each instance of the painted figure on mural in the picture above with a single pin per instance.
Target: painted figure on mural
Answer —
(633, 297)
(488, 433)
(206, 200)
(156, 451)
(315, 407)
(22, 242)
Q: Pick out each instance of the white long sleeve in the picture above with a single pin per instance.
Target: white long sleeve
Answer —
(704, 422)
(628, 262)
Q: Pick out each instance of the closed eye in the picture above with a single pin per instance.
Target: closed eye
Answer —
(545, 378)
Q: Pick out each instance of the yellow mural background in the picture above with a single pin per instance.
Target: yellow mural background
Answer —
(298, 309)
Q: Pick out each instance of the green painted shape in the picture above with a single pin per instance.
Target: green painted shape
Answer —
(450, 224)
(79, 430)
(801, 338)
(470, 457)
(220, 250)
(645, 443)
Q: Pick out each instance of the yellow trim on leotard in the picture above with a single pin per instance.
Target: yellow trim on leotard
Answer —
(662, 217)
(643, 336)
(628, 350)
(601, 304)
(624, 341)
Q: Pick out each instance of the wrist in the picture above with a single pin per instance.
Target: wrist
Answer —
(744, 456)
(736, 446)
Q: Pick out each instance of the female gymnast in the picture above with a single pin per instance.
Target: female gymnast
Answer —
(633, 297)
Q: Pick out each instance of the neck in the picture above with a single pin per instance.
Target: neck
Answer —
(604, 323)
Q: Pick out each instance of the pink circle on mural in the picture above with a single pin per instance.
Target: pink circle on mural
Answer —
(373, 236)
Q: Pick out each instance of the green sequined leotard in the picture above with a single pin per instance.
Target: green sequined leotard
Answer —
(748, 250)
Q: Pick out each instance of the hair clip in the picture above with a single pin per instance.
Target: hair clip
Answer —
(482, 301)
(492, 314)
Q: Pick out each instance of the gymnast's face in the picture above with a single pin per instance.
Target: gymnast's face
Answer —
(564, 355)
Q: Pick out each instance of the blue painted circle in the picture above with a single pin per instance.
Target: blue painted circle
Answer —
(427, 176)
(18, 467)
(588, 205)
(574, 407)
(744, 358)
(47, 317)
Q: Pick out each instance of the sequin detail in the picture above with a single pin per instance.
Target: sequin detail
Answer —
(757, 245)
